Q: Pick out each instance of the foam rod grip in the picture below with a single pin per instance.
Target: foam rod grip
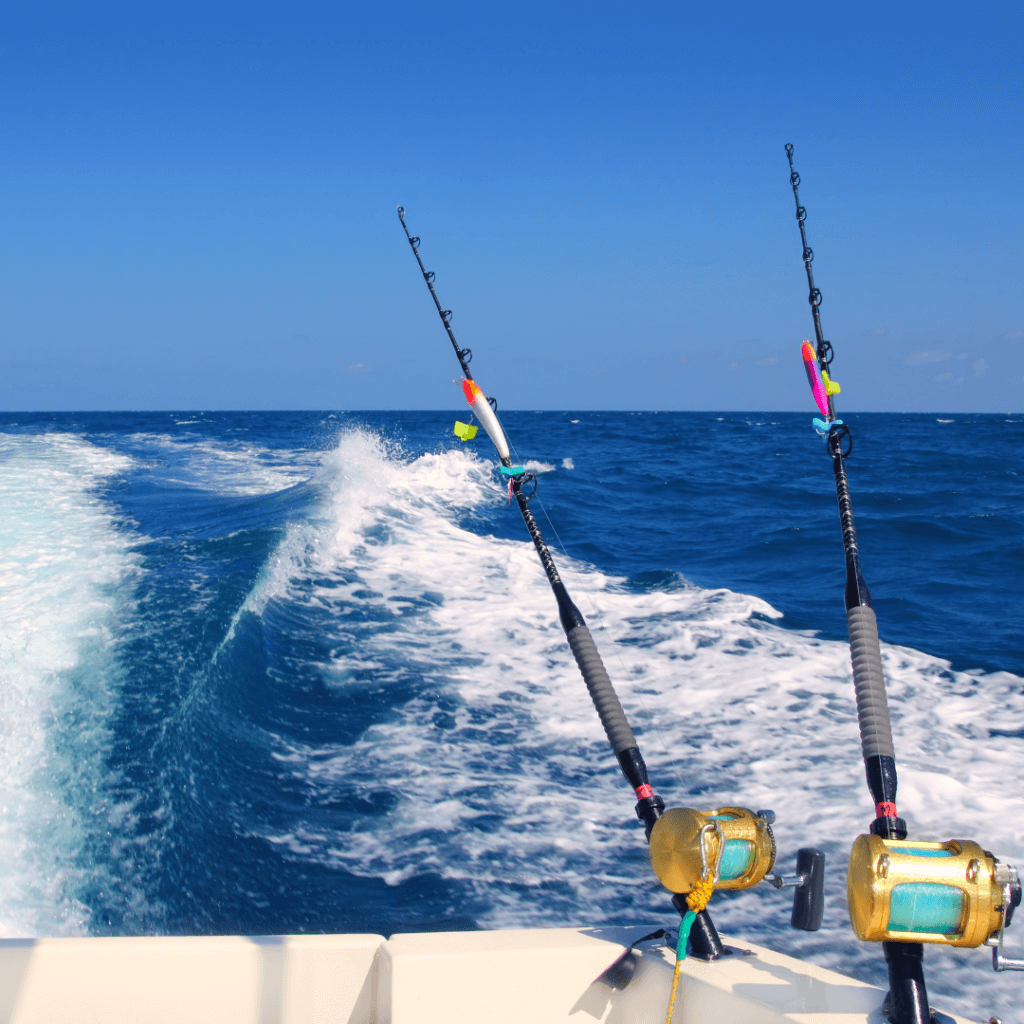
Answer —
(869, 683)
(595, 675)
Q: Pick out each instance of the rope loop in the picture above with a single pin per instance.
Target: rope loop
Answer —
(429, 275)
(493, 403)
(401, 214)
(789, 151)
(415, 243)
(697, 898)
(446, 315)
(835, 441)
(801, 214)
(808, 254)
(825, 352)
(815, 297)
(794, 178)
(466, 355)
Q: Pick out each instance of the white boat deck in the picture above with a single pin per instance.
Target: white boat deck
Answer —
(532, 976)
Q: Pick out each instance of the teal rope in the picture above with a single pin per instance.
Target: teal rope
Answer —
(684, 934)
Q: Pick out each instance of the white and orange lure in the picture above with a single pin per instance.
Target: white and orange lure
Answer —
(485, 414)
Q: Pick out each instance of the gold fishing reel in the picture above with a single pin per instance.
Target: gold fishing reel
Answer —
(731, 847)
(952, 893)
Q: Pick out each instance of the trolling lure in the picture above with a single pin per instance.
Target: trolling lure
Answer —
(814, 378)
(485, 414)
(822, 388)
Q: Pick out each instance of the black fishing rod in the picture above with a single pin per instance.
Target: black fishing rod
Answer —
(649, 806)
(687, 846)
(872, 707)
(990, 904)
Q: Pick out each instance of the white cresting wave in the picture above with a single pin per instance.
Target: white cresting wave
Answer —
(503, 776)
(236, 468)
(66, 574)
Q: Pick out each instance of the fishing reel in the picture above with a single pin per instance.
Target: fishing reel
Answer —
(954, 893)
(732, 848)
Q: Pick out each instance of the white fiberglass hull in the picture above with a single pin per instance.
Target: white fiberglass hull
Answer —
(531, 976)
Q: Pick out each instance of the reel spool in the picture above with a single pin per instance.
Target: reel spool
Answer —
(953, 893)
(731, 846)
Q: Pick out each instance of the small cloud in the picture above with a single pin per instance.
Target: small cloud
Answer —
(1015, 334)
(980, 367)
(963, 355)
(948, 378)
(359, 366)
(878, 331)
(770, 361)
(926, 357)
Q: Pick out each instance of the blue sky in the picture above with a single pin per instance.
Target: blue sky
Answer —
(197, 203)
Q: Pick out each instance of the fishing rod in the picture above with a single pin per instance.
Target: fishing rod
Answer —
(692, 852)
(967, 896)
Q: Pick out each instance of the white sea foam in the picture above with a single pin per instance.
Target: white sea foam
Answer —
(65, 575)
(237, 467)
(503, 776)
(568, 464)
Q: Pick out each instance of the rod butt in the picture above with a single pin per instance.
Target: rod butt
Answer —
(908, 999)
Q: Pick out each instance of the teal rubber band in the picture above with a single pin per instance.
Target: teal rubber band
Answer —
(684, 934)
(512, 470)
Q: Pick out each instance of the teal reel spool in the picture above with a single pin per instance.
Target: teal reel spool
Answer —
(907, 891)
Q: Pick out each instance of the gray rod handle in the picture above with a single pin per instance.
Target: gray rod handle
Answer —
(617, 729)
(869, 683)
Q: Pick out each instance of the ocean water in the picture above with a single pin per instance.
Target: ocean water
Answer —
(286, 672)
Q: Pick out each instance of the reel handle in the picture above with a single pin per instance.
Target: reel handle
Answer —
(809, 881)
(809, 898)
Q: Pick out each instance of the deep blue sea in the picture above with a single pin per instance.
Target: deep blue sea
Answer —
(302, 672)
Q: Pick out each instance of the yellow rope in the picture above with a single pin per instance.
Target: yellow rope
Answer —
(675, 985)
(696, 899)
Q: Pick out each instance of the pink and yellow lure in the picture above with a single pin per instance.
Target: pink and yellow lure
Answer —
(821, 388)
(814, 378)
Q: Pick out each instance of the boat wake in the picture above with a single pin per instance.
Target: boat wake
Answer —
(65, 591)
(492, 762)
(390, 701)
